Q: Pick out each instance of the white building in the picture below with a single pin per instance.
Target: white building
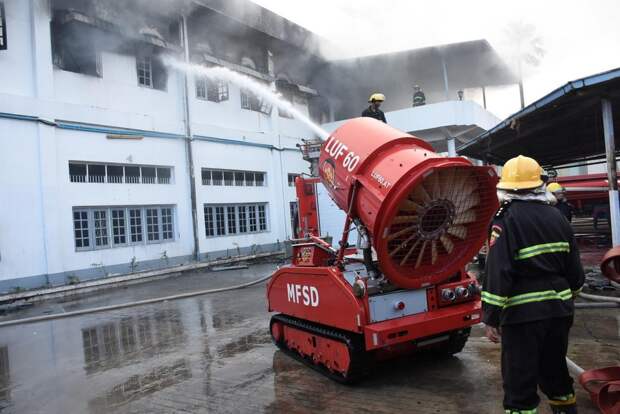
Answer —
(95, 159)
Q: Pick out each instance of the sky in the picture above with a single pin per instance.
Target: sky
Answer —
(580, 37)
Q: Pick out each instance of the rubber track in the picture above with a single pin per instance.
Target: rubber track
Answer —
(359, 365)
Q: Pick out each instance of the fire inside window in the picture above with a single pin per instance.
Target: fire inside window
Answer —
(2, 28)
(214, 91)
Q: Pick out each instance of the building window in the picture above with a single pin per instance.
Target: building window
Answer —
(82, 172)
(144, 68)
(209, 230)
(77, 173)
(166, 224)
(76, 50)
(220, 224)
(231, 219)
(163, 175)
(101, 228)
(243, 225)
(151, 72)
(114, 174)
(211, 90)
(231, 215)
(253, 102)
(152, 224)
(233, 178)
(262, 218)
(96, 173)
(120, 226)
(291, 179)
(252, 218)
(135, 224)
(3, 44)
(80, 227)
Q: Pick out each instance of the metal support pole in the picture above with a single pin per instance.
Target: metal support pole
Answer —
(444, 67)
(188, 141)
(451, 147)
(484, 97)
(610, 150)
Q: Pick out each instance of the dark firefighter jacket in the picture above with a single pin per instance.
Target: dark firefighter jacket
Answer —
(533, 267)
(378, 114)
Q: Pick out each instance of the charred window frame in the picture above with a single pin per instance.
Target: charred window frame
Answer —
(151, 71)
(211, 90)
(253, 102)
(74, 49)
(3, 44)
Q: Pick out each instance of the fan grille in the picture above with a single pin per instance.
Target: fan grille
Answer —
(435, 221)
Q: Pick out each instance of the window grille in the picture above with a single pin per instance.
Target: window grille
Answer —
(231, 219)
(233, 178)
(98, 227)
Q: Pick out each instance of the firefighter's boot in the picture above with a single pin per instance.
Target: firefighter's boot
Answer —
(563, 409)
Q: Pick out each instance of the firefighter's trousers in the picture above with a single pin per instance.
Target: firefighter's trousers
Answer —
(534, 354)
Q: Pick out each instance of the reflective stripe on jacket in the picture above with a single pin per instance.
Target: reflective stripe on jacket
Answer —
(533, 268)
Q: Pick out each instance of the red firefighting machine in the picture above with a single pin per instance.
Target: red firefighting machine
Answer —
(420, 218)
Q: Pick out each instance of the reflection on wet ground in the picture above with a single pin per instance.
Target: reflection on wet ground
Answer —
(213, 354)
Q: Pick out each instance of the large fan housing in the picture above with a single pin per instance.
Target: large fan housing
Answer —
(427, 214)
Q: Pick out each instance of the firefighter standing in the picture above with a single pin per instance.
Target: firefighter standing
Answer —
(373, 111)
(419, 98)
(533, 272)
(563, 205)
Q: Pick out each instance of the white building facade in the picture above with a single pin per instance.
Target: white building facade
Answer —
(94, 173)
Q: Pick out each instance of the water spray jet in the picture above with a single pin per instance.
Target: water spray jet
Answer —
(273, 98)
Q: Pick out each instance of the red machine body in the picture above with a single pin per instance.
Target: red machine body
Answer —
(421, 218)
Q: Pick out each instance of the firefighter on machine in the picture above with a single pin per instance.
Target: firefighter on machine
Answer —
(373, 111)
(563, 205)
(533, 272)
(419, 98)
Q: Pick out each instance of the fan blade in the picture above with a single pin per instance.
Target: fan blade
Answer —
(408, 205)
(401, 232)
(446, 182)
(405, 219)
(433, 251)
(472, 201)
(402, 262)
(420, 194)
(403, 244)
(467, 217)
(447, 243)
(431, 180)
(421, 255)
(458, 231)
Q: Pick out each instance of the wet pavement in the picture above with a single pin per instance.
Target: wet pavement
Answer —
(213, 354)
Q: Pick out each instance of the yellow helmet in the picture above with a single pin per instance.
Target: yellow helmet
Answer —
(554, 187)
(520, 173)
(376, 97)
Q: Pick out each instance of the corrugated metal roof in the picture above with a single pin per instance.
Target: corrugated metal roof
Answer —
(563, 126)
